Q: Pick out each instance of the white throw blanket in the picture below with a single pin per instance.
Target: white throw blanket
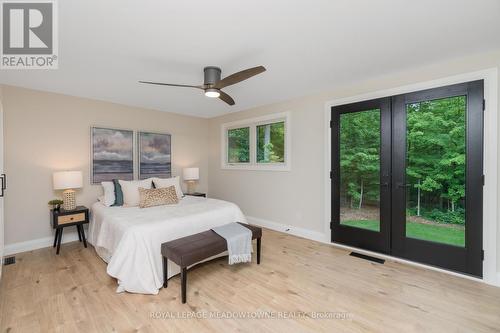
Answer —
(129, 239)
(239, 242)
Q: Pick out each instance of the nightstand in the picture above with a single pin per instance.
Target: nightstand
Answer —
(197, 194)
(67, 218)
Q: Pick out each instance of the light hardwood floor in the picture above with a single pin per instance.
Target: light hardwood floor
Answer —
(43, 292)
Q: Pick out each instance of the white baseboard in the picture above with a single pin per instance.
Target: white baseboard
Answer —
(35, 244)
(289, 229)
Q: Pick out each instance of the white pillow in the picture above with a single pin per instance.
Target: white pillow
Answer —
(167, 182)
(130, 190)
(109, 193)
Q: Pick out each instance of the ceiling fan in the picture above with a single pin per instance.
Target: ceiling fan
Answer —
(213, 84)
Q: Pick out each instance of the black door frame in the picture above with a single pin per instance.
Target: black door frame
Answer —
(391, 238)
(368, 239)
(466, 259)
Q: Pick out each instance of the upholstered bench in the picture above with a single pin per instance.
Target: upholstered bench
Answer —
(192, 249)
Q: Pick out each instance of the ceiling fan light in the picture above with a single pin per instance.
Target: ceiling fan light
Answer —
(212, 93)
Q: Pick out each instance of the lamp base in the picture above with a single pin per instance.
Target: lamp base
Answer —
(69, 198)
(191, 186)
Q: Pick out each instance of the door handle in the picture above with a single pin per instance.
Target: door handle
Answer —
(3, 178)
(402, 185)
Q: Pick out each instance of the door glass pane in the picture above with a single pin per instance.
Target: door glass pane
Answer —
(238, 145)
(360, 169)
(271, 143)
(435, 170)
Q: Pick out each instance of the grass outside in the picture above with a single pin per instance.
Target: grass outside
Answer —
(435, 233)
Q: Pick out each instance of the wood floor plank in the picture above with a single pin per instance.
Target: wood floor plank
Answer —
(297, 280)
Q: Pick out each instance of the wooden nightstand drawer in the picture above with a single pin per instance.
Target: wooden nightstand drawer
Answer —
(64, 219)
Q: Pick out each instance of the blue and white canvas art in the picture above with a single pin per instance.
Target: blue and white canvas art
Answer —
(112, 154)
(154, 155)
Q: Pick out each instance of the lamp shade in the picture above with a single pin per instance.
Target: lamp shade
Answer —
(65, 180)
(191, 174)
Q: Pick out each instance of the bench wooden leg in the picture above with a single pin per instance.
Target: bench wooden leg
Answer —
(165, 272)
(258, 251)
(183, 283)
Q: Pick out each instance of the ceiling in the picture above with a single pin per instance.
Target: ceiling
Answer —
(105, 47)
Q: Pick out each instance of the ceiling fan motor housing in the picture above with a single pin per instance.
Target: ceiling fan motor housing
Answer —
(212, 75)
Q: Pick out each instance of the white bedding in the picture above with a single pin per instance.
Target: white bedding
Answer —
(129, 238)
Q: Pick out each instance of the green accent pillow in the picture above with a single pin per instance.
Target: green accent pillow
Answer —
(118, 193)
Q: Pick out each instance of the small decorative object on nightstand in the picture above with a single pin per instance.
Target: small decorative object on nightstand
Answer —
(56, 204)
(68, 181)
(197, 194)
(66, 218)
(191, 175)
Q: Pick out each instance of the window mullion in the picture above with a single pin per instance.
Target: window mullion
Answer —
(253, 144)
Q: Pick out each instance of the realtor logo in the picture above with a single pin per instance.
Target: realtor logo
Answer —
(29, 35)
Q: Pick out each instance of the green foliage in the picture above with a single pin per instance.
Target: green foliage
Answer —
(440, 216)
(271, 143)
(435, 163)
(436, 157)
(55, 202)
(239, 145)
(456, 217)
(360, 155)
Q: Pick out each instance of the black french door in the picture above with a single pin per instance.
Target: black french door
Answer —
(407, 176)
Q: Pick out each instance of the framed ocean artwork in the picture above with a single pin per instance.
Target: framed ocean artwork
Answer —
(112, 154)
(155, 155)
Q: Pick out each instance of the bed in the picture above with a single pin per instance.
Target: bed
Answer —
(129, 238)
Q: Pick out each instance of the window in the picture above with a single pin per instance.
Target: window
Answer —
(257, 144)
(271, 143)
(238, 145)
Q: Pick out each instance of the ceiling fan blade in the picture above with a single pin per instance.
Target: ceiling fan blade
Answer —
(171, 85)
(240, 76)
(226, 98)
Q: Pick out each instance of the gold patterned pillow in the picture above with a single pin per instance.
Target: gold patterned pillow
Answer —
(157, 197)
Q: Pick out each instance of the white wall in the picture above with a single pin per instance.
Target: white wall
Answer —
(297, 198)
(45, 132)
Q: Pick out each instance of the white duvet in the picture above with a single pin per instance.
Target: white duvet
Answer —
(129, 238)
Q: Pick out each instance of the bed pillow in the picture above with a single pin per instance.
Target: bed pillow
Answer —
(118, 193)
(167, 182)
(157, 197)
(130, 190)
(109, 193)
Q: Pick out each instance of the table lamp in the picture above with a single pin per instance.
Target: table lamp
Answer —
(68, 181)
(191, 175)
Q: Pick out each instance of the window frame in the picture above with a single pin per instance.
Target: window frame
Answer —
(252, 123)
